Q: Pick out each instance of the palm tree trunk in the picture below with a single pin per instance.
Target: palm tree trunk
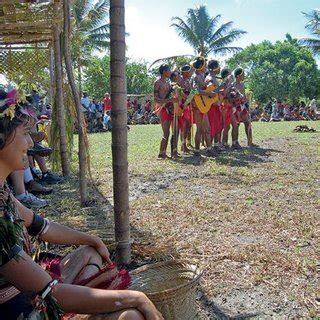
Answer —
(79, 74)
(64, 155)
(119, 131)
(82, 154)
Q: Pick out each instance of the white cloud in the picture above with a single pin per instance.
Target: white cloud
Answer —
(151, 39)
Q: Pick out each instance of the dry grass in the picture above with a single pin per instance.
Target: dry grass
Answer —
(249, 218)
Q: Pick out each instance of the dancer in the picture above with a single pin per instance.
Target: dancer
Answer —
(185, 84)
(243, 113)
(201, 119)
(214, 114)
(226, 105)
(164, 106)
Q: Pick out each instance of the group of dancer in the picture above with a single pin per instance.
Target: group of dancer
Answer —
(201, 93)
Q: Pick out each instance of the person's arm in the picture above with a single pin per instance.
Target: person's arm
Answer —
(58, 234)
(157, 97)
(27, 276)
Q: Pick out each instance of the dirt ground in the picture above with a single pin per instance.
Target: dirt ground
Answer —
(249, 218)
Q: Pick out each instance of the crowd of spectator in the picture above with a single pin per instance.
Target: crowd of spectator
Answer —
(98, 112)
(278, 110)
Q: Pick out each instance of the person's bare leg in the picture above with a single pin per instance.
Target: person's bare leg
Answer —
(41, 161)
(185, 134)
(206, 131)
(164, 141)
(198, 135)
(174, 138)
(247, 128)
(235, 130)
(31, 162)
(74, 267)
(17, 178)
(225, 135)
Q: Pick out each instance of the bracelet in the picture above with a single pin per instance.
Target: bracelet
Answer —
(48, 288)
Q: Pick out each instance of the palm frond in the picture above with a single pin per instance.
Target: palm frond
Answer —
(314, 20)
(212, 25)
(105, 28)
(221, 31)
(224, 41)
(225, 50)
(80, 9)
(98, 14)
(312, 44)
(185, 32)
(166, 59)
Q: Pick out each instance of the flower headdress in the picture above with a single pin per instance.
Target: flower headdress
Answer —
(8, 103)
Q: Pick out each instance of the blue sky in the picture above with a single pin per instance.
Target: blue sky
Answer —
(151, 37)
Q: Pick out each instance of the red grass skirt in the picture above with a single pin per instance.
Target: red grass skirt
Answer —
(226, 110)
(215, 120)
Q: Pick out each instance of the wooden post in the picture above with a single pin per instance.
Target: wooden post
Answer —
(119, 131)
(52, 77)
(82, 154)
(65, 163)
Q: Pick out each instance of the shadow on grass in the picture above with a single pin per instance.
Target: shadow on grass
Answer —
(241, 158)
(246, 157)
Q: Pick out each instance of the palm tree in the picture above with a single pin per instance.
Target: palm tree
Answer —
(90, 30)
(119, 131)
(205, 34)
(313, 25)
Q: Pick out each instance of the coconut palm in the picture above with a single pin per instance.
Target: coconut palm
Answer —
(206, 34)
(90, 30)
(119, 131)
(313, 25)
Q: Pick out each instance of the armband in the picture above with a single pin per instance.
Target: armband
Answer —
(38, 226)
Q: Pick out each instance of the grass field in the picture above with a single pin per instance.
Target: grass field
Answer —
(249, 218)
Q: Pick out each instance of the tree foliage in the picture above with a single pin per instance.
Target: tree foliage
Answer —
(90, 29)
(313, 25)
(97, 77)
(280, 70)
(206, 34)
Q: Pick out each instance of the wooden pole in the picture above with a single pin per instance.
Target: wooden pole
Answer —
(119, 131)
(82, 155)
(65, 163)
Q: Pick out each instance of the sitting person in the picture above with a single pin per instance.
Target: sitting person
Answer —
(22, 280)
(26, 189)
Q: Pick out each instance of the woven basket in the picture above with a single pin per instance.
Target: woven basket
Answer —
(171, 286)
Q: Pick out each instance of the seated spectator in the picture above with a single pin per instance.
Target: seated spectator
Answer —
(25, 188)
(23, 281)
(265, 117)
(275, 115)
(287, 114)
(295, 114)
(107, 125)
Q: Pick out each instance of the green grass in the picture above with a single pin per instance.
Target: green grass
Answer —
(143, 143)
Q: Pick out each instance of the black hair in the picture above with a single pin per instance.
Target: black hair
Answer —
(185, 68)
(198, 63)
(163, 68)
(238, 72)
(213, 64)
(173, 75)
(7, 125)
(225, 72)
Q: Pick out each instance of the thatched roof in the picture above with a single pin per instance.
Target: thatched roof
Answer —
(28, 21)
